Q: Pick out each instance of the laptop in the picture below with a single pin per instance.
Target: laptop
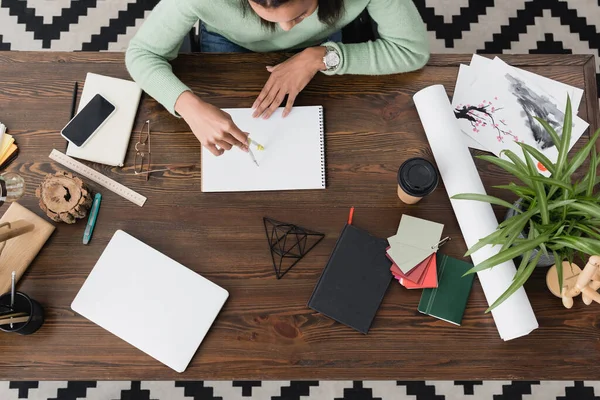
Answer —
(150, 301)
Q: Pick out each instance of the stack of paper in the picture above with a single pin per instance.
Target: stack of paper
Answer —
(495, 105)
(8, 148)
(412, 252)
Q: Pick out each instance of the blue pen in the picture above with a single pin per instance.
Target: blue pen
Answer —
(89, 228)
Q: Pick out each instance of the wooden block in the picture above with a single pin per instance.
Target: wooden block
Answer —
(20, 251)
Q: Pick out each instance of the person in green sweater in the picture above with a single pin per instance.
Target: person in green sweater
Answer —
(308, 27)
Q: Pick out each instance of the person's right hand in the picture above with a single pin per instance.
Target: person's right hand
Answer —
(212, 126)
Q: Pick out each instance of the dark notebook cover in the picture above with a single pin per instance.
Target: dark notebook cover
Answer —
(449, 300)
(355, 279)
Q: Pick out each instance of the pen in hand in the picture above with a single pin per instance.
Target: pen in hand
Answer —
(259, 146)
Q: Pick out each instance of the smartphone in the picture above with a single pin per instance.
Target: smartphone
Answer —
(87, 122)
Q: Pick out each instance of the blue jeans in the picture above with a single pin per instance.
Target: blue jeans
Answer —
(214, 43)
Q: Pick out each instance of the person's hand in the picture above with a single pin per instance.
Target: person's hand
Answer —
(288, 78)
(213, 127)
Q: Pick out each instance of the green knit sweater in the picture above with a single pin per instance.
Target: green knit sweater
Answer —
(402, 47)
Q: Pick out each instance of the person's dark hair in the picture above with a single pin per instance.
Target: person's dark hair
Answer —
(329, 11)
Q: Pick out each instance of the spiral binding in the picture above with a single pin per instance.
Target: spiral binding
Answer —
(321, 123)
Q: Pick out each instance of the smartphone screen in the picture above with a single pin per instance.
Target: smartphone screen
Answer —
(81, 128)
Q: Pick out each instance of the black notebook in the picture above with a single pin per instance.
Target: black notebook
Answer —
(355, 279)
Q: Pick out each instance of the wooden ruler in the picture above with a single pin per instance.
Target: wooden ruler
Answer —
(97, 177)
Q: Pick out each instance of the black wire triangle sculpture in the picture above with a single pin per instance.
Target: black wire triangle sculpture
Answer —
(288, 243)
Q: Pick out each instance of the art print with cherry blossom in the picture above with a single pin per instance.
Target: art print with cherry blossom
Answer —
(487, 115)
(499, 109)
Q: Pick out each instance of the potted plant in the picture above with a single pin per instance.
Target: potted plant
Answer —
(557, 215)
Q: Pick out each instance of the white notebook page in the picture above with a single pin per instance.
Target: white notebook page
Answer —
(293, 159)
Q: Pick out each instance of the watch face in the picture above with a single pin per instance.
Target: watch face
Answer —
(332, 59)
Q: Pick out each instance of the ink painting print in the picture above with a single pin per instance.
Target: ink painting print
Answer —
(499, 109)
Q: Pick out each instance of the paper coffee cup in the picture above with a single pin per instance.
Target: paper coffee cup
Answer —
(417, 177)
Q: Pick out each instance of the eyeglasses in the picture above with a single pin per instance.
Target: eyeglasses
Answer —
(141, 162)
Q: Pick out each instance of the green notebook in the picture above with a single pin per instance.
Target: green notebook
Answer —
(448, 301)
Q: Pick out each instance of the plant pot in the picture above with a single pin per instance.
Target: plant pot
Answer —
(545, 261)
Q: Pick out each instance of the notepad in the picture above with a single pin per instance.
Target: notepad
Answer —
(109, 145)
(293, 158)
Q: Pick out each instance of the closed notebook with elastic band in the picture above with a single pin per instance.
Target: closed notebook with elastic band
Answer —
(449, 300)
(355, 279)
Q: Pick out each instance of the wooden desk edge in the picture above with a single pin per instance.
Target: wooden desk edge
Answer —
(436, 60)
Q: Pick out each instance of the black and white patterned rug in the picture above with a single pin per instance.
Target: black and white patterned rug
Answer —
(301, 390)
(455, 26)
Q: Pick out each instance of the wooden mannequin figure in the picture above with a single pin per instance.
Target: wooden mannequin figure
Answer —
(576, 282)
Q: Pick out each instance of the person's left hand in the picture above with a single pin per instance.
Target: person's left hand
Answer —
(288, 78)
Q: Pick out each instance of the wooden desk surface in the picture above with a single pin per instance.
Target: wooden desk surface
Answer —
(265, 330)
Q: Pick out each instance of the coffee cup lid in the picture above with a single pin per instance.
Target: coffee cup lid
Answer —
(417, 177)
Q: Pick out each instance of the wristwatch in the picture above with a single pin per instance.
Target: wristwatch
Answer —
(331, 59)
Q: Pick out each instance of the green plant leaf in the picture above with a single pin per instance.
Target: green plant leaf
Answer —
(589, 208)
(539, 190)
(551, 132)
(535, 153)
(582, 187)
(558, 260)
(565, 139)
(493, 238)
(527, 255)
(508, 167)
(551, 181)
(579, 157)
(532, 211)
(560, 230)
(516, 160)
(589, 231)
(486, 199)
(513, 232)
(544, 249)
(591, 175)
(510, 253)
(585, 245)
(521, 191)
(525, 259)
(517, 282)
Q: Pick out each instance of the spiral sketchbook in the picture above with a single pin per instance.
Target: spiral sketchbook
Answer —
(293, 157)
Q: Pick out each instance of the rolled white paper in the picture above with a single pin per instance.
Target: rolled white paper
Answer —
(514, 317)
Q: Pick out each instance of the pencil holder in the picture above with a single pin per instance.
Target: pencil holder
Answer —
(24, 304)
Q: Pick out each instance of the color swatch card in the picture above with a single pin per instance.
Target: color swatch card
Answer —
(449, 300)
(428, 279)
(416, 240)
(8, 147)
(293, 157)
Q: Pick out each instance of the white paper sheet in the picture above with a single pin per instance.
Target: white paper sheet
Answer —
(514, 318)
(554, 88)
(293, 158)
(464, 80)
(497, 111)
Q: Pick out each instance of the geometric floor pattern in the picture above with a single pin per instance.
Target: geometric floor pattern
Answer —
(300, 390)
(454, 26)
